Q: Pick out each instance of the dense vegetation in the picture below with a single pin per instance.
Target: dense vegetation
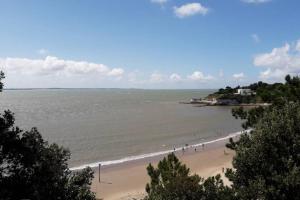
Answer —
(1, 77)
(30, 168)
(172, 180)
(264, 92)
(267, 161)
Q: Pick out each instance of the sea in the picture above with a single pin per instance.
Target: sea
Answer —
(117, 125)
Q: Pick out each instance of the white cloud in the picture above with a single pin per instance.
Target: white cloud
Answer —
(132, 76)
(175, 77)
(159, 1)
(272, 74)
(221, 73)
(190, 9)
(238, 76)
(116, 72)
(42, 51)
(277, 58)
(199, 76)
(54, 66)
(298, 46)
(255, 38)
(256, 1)
(156, 77)
(279, 62)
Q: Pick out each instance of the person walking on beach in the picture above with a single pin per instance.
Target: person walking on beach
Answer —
(202, 146)
(195, 149)
(182, 150)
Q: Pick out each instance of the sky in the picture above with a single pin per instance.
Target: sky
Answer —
(159, 44)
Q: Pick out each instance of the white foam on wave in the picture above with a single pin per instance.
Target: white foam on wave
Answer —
(149, 155)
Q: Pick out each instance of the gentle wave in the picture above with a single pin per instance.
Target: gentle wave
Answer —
(149, 155)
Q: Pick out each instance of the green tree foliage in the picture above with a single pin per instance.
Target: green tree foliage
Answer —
(265, 93)
(267, 161)
(250, 117)
(30, 168)
(2, 76)
(278, 94)
(227, 90)
(171, 180)
(275, 93)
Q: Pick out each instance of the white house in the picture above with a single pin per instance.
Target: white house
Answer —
(244, 92)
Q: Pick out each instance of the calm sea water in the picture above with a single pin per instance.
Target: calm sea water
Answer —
(109, 124)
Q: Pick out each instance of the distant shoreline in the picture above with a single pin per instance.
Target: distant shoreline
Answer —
(230, 105)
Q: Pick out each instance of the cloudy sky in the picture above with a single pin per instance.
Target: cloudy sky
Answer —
(148, 43)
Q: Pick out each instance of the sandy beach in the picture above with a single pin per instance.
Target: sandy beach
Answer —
(128, 180)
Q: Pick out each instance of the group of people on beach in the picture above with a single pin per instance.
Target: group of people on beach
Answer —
(187, 147)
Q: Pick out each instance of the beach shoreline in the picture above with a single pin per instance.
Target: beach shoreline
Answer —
(127, 180)
(158, 154)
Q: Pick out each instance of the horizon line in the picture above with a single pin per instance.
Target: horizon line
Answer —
(71, 88)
